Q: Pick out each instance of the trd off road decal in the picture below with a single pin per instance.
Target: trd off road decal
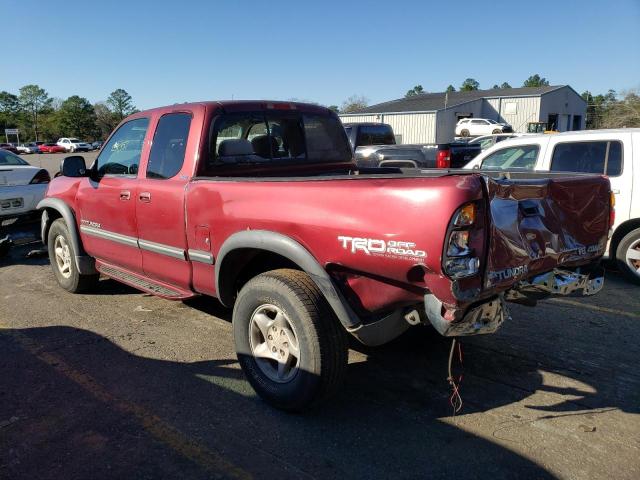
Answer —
(89, 223)
(385, 248)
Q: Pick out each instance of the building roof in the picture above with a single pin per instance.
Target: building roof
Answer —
(429, 102)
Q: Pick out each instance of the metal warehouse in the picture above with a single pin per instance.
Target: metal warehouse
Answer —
(431, 117)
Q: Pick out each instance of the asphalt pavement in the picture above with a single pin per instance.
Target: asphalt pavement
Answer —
(120, 384)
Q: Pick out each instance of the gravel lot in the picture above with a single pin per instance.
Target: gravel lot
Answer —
(121, 384)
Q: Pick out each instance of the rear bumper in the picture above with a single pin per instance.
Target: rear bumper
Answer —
(20, 200)
(489, 315)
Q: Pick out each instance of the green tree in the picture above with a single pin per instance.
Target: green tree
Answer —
(121, 104)
(354, 103)
(535, 81)
(623, 113)
(469, 84)
(335, 108)
(105, 120)
(597, 107)
(9, 110)
(34, 101)
(505, 85)
(417, 90)
(450, 89)
(77, 117)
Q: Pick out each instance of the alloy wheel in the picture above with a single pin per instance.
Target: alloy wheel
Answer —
(274, 343)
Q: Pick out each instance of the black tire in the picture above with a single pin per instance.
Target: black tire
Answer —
(464, 133)
(630, 241)
(322, 341)
(71, 280)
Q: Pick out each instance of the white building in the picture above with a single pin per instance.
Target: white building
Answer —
(431, 117)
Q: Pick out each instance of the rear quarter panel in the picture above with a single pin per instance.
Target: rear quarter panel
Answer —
(324, 214)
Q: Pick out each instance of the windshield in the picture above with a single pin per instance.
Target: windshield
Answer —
(74, 140)
(8, 158)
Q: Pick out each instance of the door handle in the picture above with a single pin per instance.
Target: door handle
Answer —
(145, 197)
(125, 195)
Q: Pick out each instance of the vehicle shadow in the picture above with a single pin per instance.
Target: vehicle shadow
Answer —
(80, 402)
(25, 237)
(72, 390)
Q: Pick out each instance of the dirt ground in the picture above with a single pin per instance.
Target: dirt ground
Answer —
(120, 384)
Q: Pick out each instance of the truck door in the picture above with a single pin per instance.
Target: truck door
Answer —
(160, 200)
(106, 201)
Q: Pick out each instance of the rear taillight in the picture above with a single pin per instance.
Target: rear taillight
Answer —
(443, 159)
(458, 258)
(41, 177)
(612, 209)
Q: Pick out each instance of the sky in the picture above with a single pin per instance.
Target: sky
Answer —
(164, 52)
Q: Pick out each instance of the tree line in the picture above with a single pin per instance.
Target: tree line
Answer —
(40, 117)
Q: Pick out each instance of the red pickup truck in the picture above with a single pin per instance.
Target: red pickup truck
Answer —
(261, 205)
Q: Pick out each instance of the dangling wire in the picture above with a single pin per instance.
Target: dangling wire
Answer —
(455, 399)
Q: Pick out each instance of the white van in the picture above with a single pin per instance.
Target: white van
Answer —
(615, 153)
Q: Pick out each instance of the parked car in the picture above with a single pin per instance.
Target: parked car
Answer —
(615, 153)
(34, 146)
(52, 148)
(21, 185)
(74, 145)
(475, 127)
(96, 145)
(9, 147)
(374, 145)
(22, 148)
(487, 141)
(261, 205)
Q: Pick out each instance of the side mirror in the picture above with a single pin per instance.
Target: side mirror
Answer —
(73, 166)
(476, 167)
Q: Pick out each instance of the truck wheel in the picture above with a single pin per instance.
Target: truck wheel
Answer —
(289, 344)
(61, 256)
(628, 255)
(496, 131)
(464, 133)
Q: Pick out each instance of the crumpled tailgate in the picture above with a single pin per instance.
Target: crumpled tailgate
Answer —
(536, 225)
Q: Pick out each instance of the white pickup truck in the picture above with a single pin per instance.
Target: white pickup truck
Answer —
(615, 153)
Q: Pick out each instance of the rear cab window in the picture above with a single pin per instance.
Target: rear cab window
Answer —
(274, 137)
(375, 135)
(599, 156)
(517, 157)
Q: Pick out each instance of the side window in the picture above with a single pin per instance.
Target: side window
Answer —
(521, 157)
(121, 154)
(169, 144)
(588, 157)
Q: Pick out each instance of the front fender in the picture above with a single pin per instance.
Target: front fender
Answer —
(84, 263)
